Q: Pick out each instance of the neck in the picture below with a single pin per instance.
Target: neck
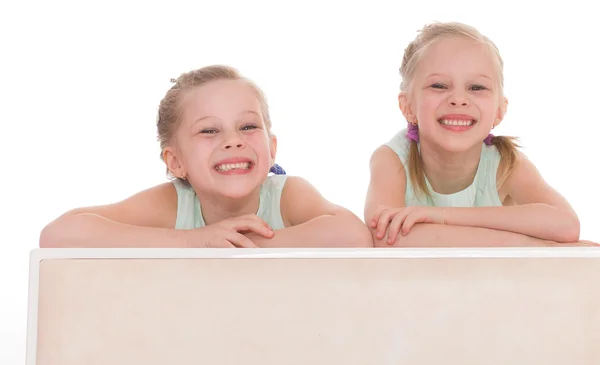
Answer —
(218, 208)
(447, 172)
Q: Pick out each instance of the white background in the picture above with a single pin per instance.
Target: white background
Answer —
(80, 83)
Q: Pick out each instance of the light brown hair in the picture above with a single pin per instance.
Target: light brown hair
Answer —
(507, 146)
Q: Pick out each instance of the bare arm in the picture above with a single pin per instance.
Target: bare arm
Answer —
(387, 184)
(314, 222)
(540, 211)
(387, 187)
(438, 235)
(146, 219)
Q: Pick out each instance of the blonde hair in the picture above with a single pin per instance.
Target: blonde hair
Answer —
(507, 146)
(169, 109)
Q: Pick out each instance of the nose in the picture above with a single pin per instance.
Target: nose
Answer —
(233, 140)
(458, 99)
(231, 145)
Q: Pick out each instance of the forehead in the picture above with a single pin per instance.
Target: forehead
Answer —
(451, 55)
(224, 99)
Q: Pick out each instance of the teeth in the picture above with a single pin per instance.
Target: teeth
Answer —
(232, 166)
(463, 123)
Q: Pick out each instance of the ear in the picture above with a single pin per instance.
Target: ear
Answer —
(406, 109)
(273, 148)
(501, 112)
(173, 163)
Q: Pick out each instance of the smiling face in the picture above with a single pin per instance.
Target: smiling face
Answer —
(222, 145)
(455, 94)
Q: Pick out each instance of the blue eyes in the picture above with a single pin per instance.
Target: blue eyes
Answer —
(472, 87)
(246, 127)
(478, 87)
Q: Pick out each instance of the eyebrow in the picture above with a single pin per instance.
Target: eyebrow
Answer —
(212, 116)
(478, 75)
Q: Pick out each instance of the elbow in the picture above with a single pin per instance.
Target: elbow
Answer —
(362, 238)
(57, 233)
(50, 236)
(568, 232)
(356, 233)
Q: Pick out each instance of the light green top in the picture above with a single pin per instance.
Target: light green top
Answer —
(481, 193)
(189, 212)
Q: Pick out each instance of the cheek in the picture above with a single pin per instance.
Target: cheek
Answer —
(488, 107)
(198, 151)
(427, 105)
(258, 141)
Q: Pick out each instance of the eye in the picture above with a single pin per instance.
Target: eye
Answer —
(478, 87)
(248, 127)
(209, 131)
(438, 86)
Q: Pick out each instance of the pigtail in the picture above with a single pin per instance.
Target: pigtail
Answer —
(509, 153)
(415, 170)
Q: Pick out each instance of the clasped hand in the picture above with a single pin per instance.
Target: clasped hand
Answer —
(401, 220)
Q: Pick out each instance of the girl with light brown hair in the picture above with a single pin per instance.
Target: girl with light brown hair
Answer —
(215, 136)
(445, 180)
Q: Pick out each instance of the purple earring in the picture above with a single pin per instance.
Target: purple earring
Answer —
(277, 170)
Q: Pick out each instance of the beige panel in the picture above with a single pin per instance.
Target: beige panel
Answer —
(319, 311)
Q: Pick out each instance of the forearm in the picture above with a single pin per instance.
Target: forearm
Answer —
(542, 221)
(439, 235)
(88, 230)
(344, 230)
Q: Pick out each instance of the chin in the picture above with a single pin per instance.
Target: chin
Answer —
(237, 189)
(456, 145)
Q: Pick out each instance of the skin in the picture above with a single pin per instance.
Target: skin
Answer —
(458, 76)
(221, 120)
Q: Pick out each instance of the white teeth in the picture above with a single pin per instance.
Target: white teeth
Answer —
(463, 123)
(232, 166)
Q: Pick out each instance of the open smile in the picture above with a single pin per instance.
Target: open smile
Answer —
(459, 122)
(236, 165)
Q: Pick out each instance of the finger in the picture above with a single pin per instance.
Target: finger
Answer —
(394, 228)
(256, 218)
(376, 214)
(225, 244)
(383, 222)
(410, 221)
(586, 243)
(251, 225)
(240, 241)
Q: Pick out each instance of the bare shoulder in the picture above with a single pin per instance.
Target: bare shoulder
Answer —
(502, 180)
(384, 159)
(524, 171)
(152, 207)
(301, 202)
(525, 185)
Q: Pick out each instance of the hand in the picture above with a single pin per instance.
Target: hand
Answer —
(588, 243)
(403, 219)
(229, 233)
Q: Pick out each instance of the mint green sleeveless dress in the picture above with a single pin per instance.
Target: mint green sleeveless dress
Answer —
(189, 208)
(481, 193)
